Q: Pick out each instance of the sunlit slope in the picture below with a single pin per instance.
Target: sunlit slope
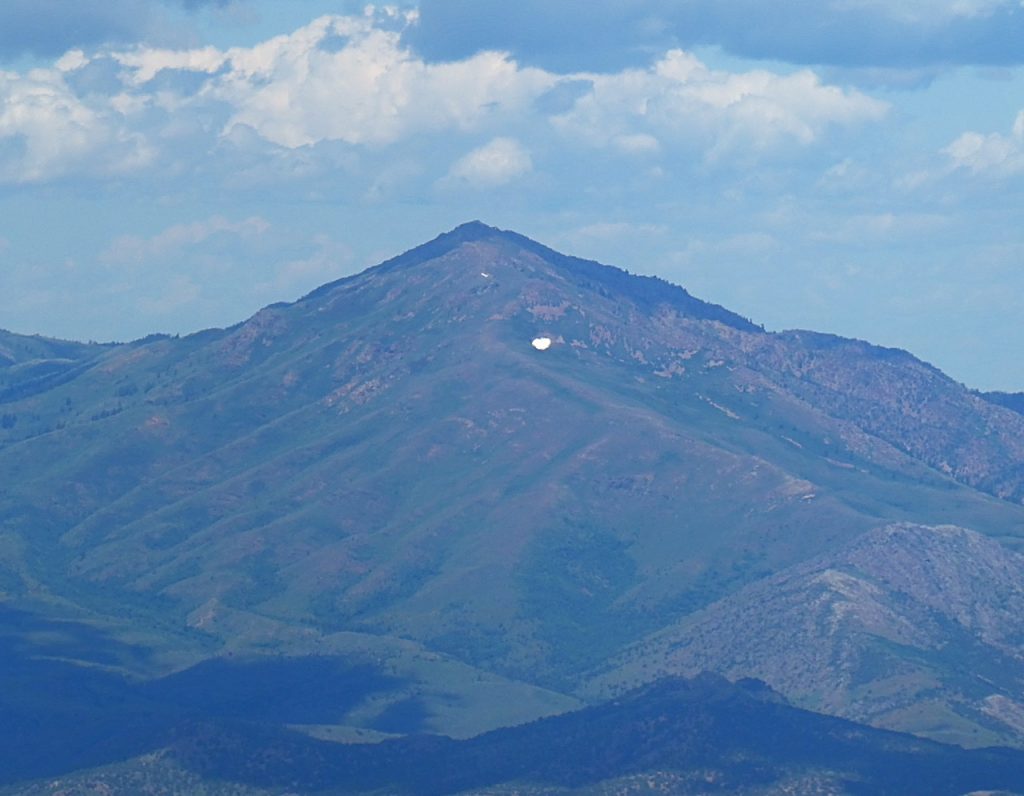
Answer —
(30, 365)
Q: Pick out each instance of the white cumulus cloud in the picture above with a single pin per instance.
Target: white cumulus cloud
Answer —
(680, 98)
(295, 91)
(46, 131)
(143, 64)
(991, 154)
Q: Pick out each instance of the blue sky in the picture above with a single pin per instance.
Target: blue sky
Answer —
(852, 166)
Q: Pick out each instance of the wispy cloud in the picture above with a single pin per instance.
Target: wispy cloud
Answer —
(136, 250)
(495, 163)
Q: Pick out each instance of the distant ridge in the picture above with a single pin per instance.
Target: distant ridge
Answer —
(1011, 400)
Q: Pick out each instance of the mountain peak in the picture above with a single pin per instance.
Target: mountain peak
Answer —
(468, 232)
(473, 230)
(396, 472)
(607, 279)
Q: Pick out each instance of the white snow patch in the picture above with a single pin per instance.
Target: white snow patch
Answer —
(541, 343)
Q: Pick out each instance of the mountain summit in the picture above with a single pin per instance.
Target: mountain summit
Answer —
(389, 472)
(490, 240)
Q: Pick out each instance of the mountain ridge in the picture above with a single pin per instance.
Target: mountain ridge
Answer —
(817, 345)
(387, 471)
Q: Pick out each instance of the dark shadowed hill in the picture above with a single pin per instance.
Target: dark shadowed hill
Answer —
(389, 473)
(1010, 400)
(674, 736)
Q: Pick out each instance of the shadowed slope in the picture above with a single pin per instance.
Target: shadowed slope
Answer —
(699, 736)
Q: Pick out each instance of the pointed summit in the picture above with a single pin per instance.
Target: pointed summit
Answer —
(473, 230)
(609, 282)
(469, 232)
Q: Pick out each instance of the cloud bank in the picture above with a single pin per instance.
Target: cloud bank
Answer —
(353, 82)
